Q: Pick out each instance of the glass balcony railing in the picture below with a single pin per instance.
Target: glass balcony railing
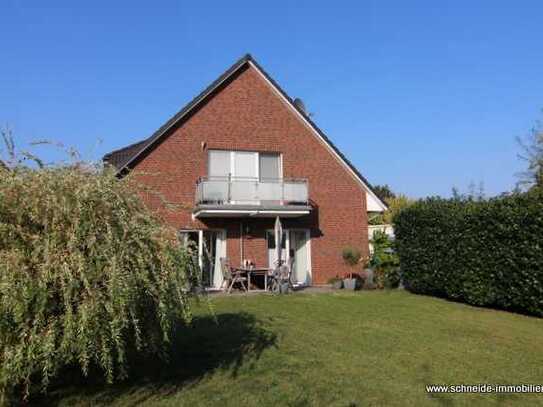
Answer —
(251, 191)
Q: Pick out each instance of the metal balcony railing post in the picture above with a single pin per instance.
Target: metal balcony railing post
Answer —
(229, 195)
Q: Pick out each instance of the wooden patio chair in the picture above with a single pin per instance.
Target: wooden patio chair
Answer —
(231, 276)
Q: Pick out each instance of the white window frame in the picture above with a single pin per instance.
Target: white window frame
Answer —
(257, 161)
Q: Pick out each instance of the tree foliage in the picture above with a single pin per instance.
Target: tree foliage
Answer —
(395, 203)
(532, 154)
(383, 192)
(351, 255)
(395, 206)
(487, 253)
(88, 276)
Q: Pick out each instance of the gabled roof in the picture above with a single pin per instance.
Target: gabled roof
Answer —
(123, 158)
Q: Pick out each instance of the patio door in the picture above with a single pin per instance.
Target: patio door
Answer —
(296, 246)
(211, 246)
(299, 249)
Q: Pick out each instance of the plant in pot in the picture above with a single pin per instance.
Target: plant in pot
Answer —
(336, 282)
(351, 257)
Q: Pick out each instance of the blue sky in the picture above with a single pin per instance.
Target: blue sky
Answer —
(422, 96)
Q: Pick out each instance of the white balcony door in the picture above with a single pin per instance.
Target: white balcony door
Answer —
(245, 178)
(270, 187)
(245, 165)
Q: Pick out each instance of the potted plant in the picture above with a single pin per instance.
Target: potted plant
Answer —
(351, 257)
(336, 282)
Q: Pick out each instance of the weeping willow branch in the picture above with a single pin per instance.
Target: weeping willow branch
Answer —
(88, 274)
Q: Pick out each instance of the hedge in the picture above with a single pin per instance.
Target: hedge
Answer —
(486, 253)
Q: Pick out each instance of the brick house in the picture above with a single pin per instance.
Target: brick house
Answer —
(241, 154)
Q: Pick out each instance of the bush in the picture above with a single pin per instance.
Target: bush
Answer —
(88, 276)
(384, 261)
(386, 277)
(486, 253)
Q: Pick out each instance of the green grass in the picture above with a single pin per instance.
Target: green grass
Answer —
(344, 349)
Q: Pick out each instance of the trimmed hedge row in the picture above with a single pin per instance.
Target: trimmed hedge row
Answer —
(485, 253)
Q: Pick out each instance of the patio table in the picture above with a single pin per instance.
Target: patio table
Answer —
(255, 271)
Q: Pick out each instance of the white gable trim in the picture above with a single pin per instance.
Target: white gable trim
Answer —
(373, 203)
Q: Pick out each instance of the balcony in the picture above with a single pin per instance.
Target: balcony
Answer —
(238, 197)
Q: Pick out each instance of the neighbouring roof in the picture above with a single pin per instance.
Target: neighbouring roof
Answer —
(124, 157)
(119, 158)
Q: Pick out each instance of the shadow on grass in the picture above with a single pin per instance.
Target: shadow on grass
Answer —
(207, 345)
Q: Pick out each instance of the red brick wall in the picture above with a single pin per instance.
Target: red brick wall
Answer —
(247, 114)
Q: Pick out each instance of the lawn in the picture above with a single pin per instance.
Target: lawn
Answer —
(340, 349)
